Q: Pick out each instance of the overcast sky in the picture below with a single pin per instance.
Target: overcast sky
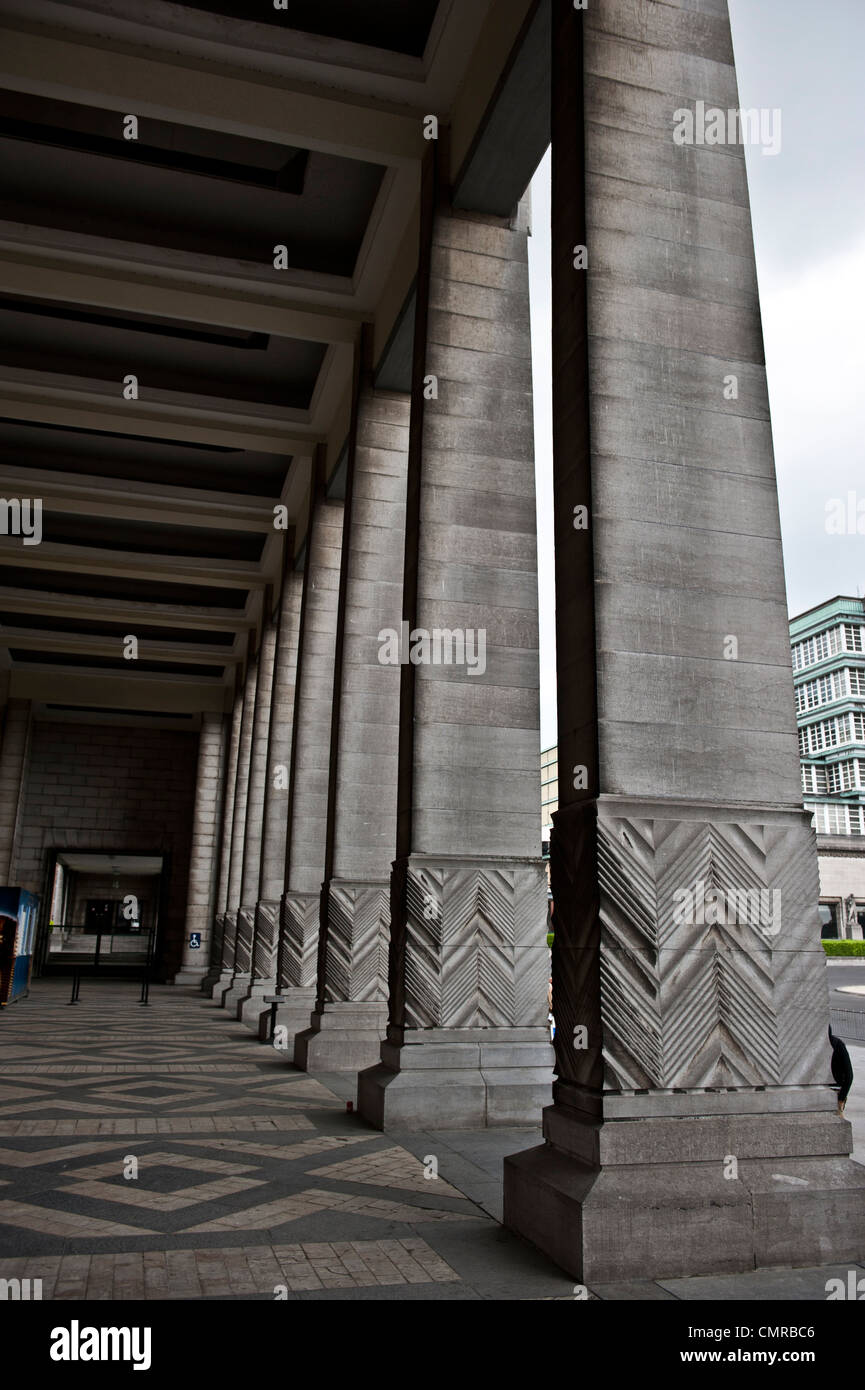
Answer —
(808, 209)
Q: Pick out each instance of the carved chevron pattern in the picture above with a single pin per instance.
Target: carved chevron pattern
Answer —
(475, 949)
(358, 928)
(708, 1011)
(243, 945)
(228, 939)
(685, 1003)
(695, 1004)
(264, 944)
(801, 994)
(216, 941)
(299, 924)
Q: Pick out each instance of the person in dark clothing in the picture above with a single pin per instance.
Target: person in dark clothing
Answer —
(842, 1069)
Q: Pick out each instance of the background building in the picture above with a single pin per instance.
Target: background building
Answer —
(829, 675)
(549, 792)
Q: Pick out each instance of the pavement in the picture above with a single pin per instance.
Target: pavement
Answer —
(162, 1152)
(848, 1021)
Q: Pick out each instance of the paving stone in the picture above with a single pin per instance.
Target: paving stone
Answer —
(229, 1203)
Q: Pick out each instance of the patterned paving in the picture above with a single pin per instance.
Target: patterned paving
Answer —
(240, 1271)
(162, 1152)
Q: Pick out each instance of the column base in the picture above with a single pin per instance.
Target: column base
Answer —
(188, 975)
(249, 1008)
(236, 992)
(242, 956)
(292, 1017)
(213, 968)
(343, 1037)
(663, 1197)
(459, 1078)
(222, 985)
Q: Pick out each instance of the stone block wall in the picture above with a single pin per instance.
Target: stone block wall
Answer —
(92, 787)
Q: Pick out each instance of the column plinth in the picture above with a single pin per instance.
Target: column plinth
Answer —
(348, 1025)
(692, 1127)
(226, 972)
(238, 989)
(214, 969)
(468, 1043)
(263, 979)
(299, 923)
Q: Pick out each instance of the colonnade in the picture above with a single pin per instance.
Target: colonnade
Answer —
(411, 937)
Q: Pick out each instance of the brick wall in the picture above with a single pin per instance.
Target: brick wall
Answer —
(107, 787)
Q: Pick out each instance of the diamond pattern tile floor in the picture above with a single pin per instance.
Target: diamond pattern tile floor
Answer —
(252, 1180)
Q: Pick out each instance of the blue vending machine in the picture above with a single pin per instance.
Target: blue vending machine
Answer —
(18, 913)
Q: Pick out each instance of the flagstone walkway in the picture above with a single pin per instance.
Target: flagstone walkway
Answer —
(252, 1180)
(162, 1152)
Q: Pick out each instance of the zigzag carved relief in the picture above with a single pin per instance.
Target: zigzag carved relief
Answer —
(475, 953)
(228, 939)
(299, 922)
(266, 934)
(243, 944)
(217, 940)
(715, 994)
(357, 942)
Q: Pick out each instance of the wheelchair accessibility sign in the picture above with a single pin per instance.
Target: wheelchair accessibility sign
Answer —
(195, 940)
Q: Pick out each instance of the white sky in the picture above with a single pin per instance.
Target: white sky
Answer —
(808, 210)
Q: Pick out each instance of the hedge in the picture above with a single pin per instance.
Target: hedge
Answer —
(844, 948)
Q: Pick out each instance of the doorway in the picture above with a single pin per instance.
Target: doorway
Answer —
(104, 909)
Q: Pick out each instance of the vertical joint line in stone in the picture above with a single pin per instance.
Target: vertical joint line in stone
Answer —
(571, 399)
(315, 489)
(430, 191)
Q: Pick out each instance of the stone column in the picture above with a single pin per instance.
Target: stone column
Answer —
(233, 743)
(310, 764)
(251, 872)
(276, 800)
(692, 1129)
(238, 836)
(467, 1042)
(203, 859)
(350, 1017)
(13, 764)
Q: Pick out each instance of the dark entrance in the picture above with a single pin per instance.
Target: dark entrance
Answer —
(99, 914)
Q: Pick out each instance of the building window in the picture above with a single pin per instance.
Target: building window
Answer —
(829, 921)
(818, 648)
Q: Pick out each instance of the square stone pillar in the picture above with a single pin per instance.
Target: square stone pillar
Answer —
(214, 973)
(692, 1129)
(276, 799)
(350, 1018)
(203, 859)
(251, 874)
(467, 1042)
(306, 836)
(238, 837)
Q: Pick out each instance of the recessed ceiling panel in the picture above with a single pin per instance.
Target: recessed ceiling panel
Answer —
(402, 26)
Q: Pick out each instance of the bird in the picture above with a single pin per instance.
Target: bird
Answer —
(842, 1069)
